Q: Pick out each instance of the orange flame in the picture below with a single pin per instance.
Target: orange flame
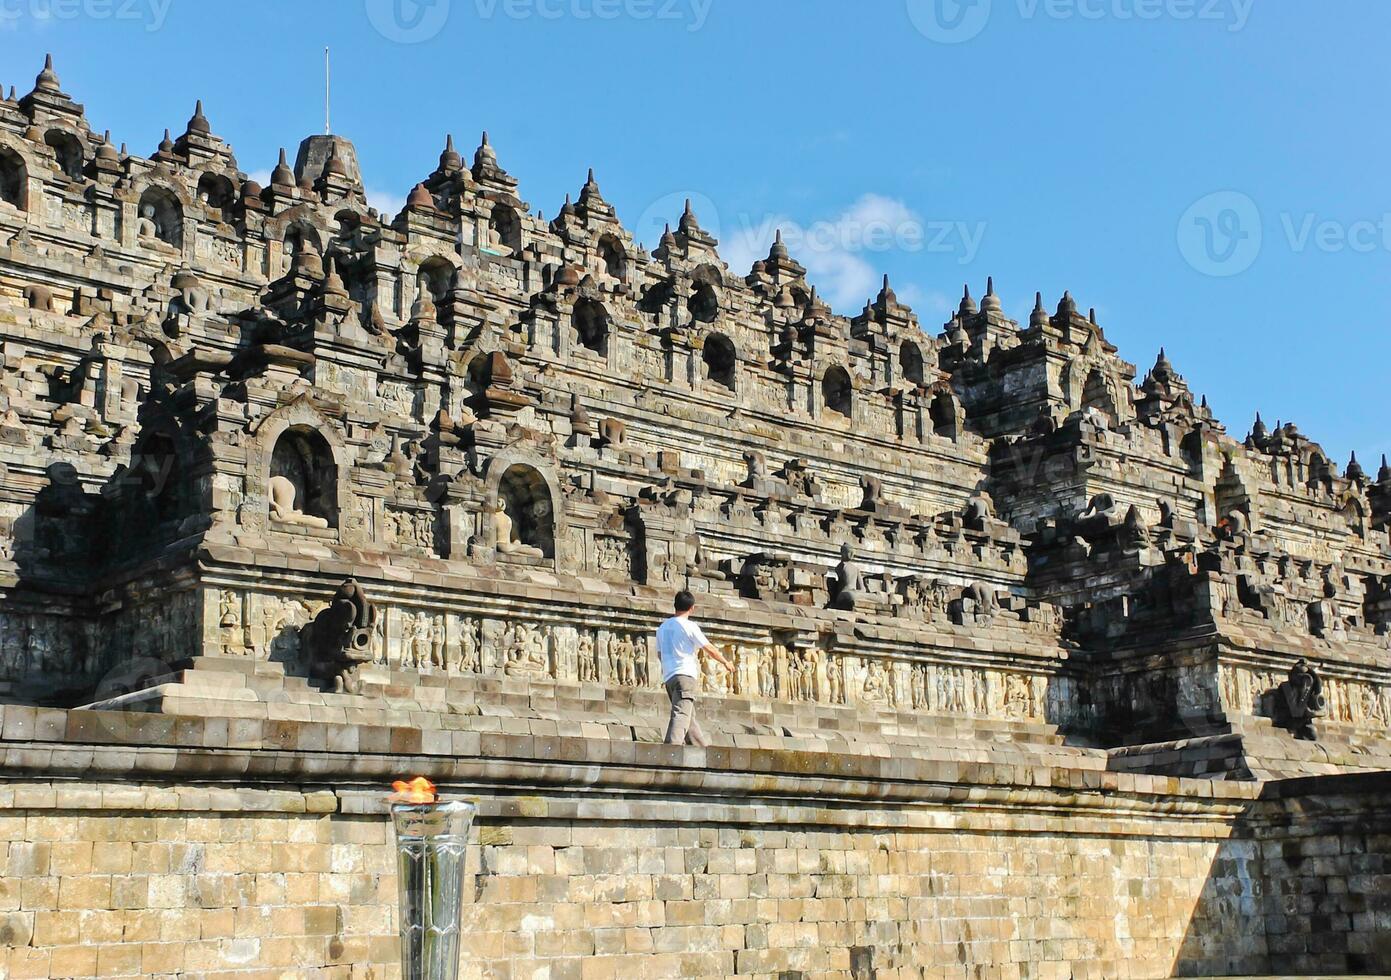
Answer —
(418, 790)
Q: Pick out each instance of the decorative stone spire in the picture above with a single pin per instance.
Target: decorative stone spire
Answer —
(1163, 371)
(334, 164)
(1384, 474)
(199, 123)
(991, 302)
(282, 176)
(166, 148)
(423, 310)
(1355, 472)
(420, 198)
(47, 80)
(956, 333)
(778, 252)
(1259, 432)
(1039, 316)
(589, 193)
(887, 296)
(968, 305)
(1067, 306)
(333, 282)
(484, 155)
(450, 160)
(107, 158)
(689, 224)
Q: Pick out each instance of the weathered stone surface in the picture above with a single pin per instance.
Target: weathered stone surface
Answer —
(991, 605)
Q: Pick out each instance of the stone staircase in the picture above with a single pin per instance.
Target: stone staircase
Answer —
(231, 687)
(1255, 748)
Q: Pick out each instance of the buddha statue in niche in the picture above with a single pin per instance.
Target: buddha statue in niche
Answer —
(282, 505)
(508, 541)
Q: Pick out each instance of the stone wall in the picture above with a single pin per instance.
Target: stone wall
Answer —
(1325, 849)
(125, 879)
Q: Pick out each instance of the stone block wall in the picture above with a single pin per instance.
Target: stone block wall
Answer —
(163, 881)
(1326, 856)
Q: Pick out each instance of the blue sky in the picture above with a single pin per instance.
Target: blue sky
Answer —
(1053, 144)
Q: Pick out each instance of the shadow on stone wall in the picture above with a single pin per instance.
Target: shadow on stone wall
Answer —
(1307, 874)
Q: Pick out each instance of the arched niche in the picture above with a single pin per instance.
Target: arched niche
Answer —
(302, 417)
(613, 256)
(349, 222)
(505, 231)
(944, 414)
(216, 192)
(910, 363)
(13, 179)
(303, 457)
(720, 361)
(838, 392)
(436, 277)
(591, 322)
(704, 303)
(529, 500)
(67, 151)
(161, 216)
(1096, 393)
(301, 235)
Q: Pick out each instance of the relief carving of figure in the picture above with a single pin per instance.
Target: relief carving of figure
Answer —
(467, 660)
(527, 651)
(878, 685)
(627, 666)
(229, 617)
(767, 674)
(835, 680)
(802, 668)
(588, 663)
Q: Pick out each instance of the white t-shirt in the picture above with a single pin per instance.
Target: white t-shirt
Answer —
(678, 642)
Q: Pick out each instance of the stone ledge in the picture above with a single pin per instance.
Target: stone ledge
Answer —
(97, 745)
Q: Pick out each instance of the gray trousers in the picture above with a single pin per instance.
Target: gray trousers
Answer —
(683, 729)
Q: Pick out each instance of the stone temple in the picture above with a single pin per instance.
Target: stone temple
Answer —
(1041, 671)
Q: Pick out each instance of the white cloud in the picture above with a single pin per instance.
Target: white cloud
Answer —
(833, 250)
(387, 203)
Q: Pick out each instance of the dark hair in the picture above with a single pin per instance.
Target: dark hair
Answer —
(685, 602)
